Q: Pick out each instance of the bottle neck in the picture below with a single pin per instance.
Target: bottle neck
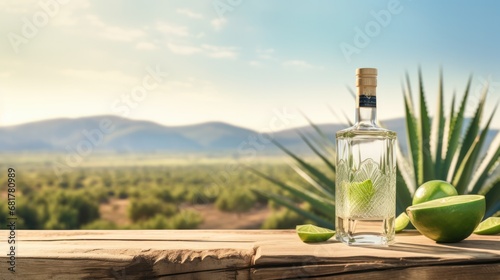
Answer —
(366, 106)
(366, 116)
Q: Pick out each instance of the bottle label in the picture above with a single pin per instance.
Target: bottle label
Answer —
(368, 101)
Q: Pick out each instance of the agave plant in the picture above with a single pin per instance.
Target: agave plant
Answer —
(317, 187)
(450, 149)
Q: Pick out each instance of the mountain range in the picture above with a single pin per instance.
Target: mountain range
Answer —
(117, 134)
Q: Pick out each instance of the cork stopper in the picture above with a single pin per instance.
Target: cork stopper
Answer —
(366, 82)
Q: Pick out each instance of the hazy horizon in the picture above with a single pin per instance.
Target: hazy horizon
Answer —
(247, 63)
(333, 121)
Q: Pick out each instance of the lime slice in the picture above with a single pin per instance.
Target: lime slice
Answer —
(402, 221)
(359, 195)
(448, 219)
(312, 233)
(489, 226)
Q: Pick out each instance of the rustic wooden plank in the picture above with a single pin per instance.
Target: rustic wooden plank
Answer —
(431, 272)
(132, 254)
(276, 260)
(235, 254)
(408, 246)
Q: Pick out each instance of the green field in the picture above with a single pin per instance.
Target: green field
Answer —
(150, 191)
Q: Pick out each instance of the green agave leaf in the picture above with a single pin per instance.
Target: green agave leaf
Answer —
(403, 196)
(492, 197)
(438, 132)
(321, 204)
(452, 114)
(325, 143)
(406, 170)
(311, 146)
(443, 173)
(455, 131)
(466, 166)
(320, 221)
(330, 151)
(412, 133)
(408, 85)
(318, 175)
(346, 117)
(490, 159)
(426, 163)
(318, 187)
(473, 128)
(351, 91)
(318, 130)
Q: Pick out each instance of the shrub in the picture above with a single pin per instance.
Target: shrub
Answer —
(235, 201)
(146, 208)
(100, 224)
(186, 219)
(283, 219)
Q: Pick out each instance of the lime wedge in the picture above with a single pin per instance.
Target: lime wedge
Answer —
(402, 221)
(359, 195)
(312, 233)
(448, 219)
(489, 226)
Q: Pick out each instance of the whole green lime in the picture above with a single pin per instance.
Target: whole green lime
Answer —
(433, 190)
(449, 219)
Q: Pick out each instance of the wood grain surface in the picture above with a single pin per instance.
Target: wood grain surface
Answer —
(241, 254)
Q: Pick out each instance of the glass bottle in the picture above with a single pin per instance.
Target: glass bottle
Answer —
(365, 195)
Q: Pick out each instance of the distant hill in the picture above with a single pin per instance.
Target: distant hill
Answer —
(144, 136)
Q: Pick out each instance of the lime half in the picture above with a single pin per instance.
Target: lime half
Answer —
(312, 233)
(448, 219)
(401, 222)
(359, 195)
(489, 226)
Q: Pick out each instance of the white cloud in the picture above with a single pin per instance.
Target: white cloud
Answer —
(182, 49)
(297, 64)
(208, 50)
(18, 7)
(189, 13)
(170, 29)
(218, 23)
(146, 46)
(115, 33)
(70, 14)
(255, 63)
(109, 77)
(265, 53)
(220, 52)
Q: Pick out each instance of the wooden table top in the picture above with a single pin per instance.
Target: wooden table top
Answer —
(240, 254)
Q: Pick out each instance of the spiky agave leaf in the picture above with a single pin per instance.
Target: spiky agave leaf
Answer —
(426, 171)
(468, 164)
(437, 134)
(324, 205)
(485, 168)
(328, 163)
(455, 131)
(412, 132)
(473, 127)
(313, 171)
(318, 220)
(492, 197)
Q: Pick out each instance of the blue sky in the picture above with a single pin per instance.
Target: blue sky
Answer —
(239, 61)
